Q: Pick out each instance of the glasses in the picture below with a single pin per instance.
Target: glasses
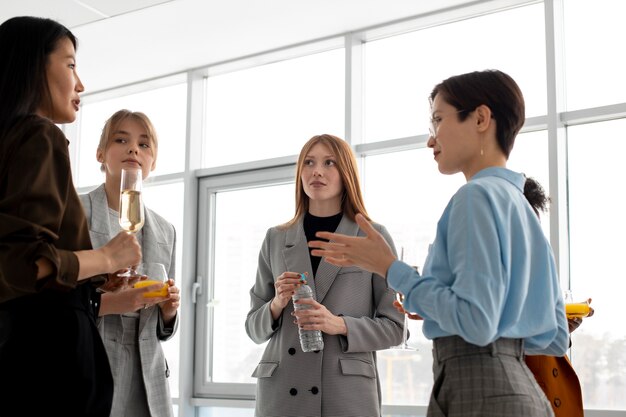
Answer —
(434, 124)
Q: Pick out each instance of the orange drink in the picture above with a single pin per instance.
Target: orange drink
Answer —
(159, 293)
(577, 310)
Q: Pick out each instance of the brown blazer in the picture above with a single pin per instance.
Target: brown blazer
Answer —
(48, 331)
(559, 382)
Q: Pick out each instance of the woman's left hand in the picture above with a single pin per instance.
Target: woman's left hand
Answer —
(574, 323)
(170, 306)
(319, 318)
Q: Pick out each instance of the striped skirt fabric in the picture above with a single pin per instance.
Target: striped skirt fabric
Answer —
(487, 381)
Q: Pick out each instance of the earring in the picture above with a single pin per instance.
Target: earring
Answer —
(481, 151)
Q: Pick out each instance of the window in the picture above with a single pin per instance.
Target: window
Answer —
(594, 67)
(597, 227)
(272, 110)
(401, 71)
(235, 222)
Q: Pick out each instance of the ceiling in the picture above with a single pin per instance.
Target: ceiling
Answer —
(125, 41)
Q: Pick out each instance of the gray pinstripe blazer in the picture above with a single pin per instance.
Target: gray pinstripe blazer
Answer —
(159, 245)
(341, 380)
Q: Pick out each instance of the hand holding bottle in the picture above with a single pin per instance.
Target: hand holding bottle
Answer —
(285, 286)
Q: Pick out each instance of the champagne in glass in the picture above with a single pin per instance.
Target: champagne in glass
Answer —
(131, 205)
(131, 211)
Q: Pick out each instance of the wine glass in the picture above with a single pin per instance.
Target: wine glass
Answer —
(405, 328)
(131, 205)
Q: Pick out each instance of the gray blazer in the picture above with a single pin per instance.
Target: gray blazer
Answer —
(342, 379)
(159, 245)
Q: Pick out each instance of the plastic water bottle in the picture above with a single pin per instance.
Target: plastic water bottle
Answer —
(310, 340)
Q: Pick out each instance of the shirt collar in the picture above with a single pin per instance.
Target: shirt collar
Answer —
(515, 178)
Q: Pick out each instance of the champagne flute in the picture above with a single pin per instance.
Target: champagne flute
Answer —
(404, 345)
(131, 205)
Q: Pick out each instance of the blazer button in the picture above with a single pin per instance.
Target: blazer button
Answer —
(557, 402)
(314, 390)
(292, 351)
(293, 391)
(555, 372)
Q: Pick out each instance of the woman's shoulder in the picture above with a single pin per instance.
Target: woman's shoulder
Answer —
(281, 229)
(32, 122)
(34, 136)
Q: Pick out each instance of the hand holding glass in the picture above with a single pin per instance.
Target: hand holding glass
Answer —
(155, 274)
(404, 345)
(405, 329)
(575, 310)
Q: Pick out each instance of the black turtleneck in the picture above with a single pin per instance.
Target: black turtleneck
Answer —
(313, 224)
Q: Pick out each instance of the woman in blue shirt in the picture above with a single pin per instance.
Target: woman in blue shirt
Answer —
(489, 290)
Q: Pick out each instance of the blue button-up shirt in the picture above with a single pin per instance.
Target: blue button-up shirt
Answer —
(490, 272)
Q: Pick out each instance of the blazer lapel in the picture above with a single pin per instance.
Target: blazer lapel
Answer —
(326, 273)
(296, 254)
(99, 217)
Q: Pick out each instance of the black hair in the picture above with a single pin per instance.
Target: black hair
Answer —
(25, 44)
(536, 195)
(491, 88)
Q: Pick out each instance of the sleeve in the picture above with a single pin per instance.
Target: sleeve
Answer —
(166, 332)
(470, 305)
(260, 326)
(556, 340)
(384, 329)
(31, 214)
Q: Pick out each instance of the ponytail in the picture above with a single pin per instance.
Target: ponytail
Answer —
(536, 195)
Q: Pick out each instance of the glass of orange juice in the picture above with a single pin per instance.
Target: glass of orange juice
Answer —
(155, 274)
(573, 309)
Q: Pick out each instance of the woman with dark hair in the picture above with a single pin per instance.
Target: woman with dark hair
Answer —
(489, 290)
(352, 308)
(52, 359)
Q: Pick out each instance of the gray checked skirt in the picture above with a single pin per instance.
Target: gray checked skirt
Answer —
(488, 381)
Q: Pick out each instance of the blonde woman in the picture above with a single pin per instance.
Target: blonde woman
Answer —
(353, 309)
(131, 325)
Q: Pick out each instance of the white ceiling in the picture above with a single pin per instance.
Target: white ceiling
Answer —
(125, 41)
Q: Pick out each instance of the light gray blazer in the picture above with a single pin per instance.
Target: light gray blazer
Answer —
(159, 245)
(341, 380)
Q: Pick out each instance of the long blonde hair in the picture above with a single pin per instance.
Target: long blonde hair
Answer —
(352, 199)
